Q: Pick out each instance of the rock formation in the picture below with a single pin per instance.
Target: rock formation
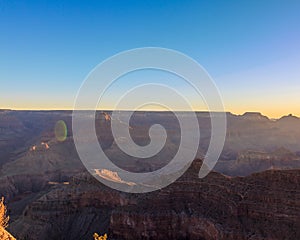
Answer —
(4, 235)
(261, 206)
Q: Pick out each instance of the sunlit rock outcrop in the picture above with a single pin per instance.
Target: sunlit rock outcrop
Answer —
(4, 235)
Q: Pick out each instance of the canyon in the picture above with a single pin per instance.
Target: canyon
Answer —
(253, 192)
(261, 206)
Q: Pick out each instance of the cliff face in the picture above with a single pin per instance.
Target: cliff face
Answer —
(248, 162)
(261, 206)
(40, 164)
(70, 211)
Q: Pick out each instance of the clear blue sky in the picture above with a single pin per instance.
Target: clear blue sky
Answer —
(250, 48)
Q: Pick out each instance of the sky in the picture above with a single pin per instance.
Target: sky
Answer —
(250, 49)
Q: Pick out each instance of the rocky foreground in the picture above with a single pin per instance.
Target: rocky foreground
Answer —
(4, 235)
(261, 206)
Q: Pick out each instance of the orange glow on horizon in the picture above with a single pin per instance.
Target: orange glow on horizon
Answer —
(269, 112)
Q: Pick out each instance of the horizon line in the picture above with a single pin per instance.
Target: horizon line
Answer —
(146, 110)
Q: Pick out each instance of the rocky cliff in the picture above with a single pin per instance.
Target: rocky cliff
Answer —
(250, 161)
(261, 206)
(4, 235)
